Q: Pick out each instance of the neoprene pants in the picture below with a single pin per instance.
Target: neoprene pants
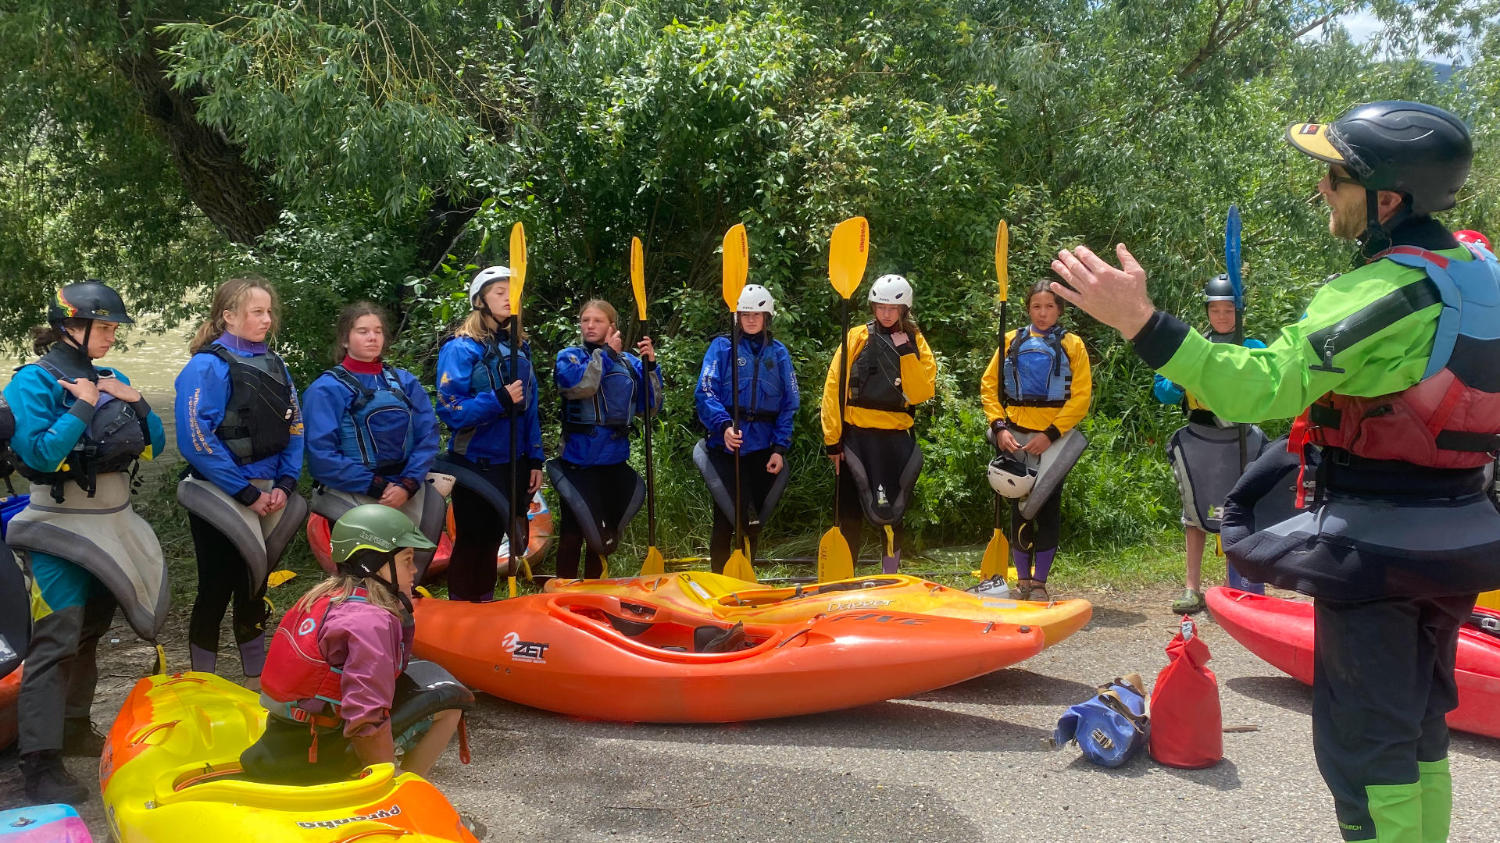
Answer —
(471, 566)
(223, 576)
(1382, 684)
(755, 485)
(1042, 531)
(606, 490)
(885, 454)
(61, 671)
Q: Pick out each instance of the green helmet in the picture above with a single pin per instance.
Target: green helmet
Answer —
(377, 527)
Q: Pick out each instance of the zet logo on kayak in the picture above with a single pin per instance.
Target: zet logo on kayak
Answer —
(524, 651)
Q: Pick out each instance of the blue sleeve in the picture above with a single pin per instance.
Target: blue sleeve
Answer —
(533, 423)
(46, 427)
(424, 426)
(706, 396)
(570, 366)
(324, 406)
(457, 404)
(290, 463)
(1166, 392)
(1252, 342)
(154, 425)
(791, 399)
(202, 393)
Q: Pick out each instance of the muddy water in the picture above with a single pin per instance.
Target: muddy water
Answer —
(151, 359)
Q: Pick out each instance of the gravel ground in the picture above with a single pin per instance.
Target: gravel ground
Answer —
(964, 763)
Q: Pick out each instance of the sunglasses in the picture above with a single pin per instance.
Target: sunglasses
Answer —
(1335, 179)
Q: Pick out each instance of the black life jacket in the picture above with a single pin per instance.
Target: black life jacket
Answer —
(258, 416)
(114, 439)
(875, 377)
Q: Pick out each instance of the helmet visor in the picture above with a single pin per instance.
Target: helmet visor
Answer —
(1312, 139)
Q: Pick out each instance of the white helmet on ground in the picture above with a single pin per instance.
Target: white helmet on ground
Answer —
(1011, 477)
(891, 289)
(756, 299)
(484, 278)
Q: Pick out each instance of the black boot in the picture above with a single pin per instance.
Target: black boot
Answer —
(48, 782)
(81, 739)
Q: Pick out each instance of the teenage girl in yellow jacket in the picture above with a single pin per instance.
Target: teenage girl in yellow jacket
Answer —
(1047, 391)
(873, 448)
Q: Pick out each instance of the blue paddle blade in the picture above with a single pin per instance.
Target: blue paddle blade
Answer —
(1232, 255)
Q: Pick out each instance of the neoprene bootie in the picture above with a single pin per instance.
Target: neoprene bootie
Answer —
(48, 781)
(1437, 799)
(1396, 810)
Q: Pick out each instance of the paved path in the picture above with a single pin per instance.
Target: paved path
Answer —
(963, 763)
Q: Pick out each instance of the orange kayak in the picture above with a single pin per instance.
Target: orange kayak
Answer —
(726, 598)
(603, 657)
(10, 692)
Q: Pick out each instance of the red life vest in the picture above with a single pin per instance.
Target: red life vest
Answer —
(295, 668)
(1449, 419)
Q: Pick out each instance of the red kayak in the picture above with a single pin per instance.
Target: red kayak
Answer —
(1281, 632)
(604, 658)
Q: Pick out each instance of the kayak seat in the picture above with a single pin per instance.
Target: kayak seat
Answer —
(714, 639)
(625, 626)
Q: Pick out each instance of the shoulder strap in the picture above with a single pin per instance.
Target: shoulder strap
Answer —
(362, 393)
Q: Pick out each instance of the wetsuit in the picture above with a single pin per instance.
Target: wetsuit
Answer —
(602, 391)
(1394, 552)
(474, 404)
(75, 606)
(768, 402)
(1048, 388)
(241, 431)
(886, 383)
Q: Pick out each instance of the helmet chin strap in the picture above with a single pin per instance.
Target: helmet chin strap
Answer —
(1376, 237)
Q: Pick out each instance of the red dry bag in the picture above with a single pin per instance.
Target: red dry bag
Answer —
(1187, 728)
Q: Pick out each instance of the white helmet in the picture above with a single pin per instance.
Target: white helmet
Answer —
(891, 289)
(756, 299)
(1011, 477)
(484, 278)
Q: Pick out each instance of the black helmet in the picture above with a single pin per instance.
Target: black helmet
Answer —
(91, 299)
(1218, 288)
(1412, 148)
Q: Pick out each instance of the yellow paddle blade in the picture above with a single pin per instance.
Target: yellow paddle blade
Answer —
(848, 249)
(834, 560)
(736, 264)
(517, 265)
(278, 577)
(654, 564)
(1489, 600)
(1002, 258)
(739, 567)
(996, 556)
(422, 591)
(638, 276)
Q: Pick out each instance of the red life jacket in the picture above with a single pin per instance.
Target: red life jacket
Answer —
(1449, 419)
(295, 669)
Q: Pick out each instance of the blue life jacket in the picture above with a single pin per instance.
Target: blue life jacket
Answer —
(606, 400)
(1110, 727)
(497, 372)
(1468, 330)
(760, 380)
(1038, 372)
(379, 429)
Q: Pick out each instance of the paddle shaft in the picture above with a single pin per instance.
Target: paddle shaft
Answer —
(843, 388)
(1000, 379)
(515, 476)
(647, 366)
(734, 416)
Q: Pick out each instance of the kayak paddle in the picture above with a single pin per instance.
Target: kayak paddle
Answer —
(654, 564)
(848, 250)
(517, 283)
(1232, 264)
(736, 268)
(996, 559)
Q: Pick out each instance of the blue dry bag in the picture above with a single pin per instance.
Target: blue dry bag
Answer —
(1109, 728)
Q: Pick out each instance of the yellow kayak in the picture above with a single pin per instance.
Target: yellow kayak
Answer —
(169, 766)
(730, 599)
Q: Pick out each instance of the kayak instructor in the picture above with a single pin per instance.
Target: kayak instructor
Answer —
(1393, 378)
